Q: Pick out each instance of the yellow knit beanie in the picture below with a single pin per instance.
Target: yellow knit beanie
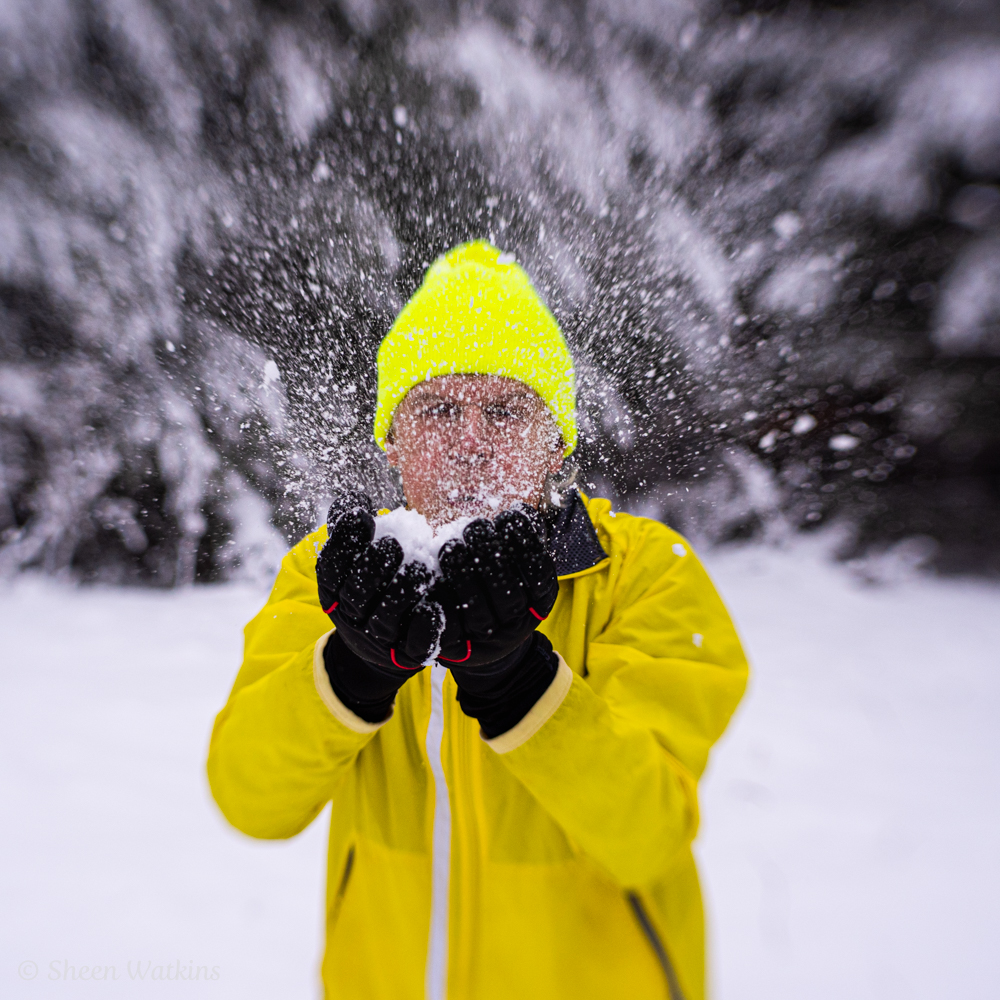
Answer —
(476, 313)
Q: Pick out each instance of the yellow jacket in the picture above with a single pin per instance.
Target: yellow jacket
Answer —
(553, 861)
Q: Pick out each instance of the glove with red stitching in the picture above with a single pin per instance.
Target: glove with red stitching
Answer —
(386, 630)
(498, 583)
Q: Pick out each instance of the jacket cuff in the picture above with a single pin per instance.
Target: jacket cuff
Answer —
(538, 714)
(329, 697)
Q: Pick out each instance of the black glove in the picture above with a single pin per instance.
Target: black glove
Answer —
(498, 583)
(350, 526)
(501, 694)
(386, 631)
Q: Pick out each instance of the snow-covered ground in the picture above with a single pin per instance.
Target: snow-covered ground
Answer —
(851, 816)
(849, 841)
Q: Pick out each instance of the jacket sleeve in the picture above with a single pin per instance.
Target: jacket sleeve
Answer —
(284, 741)
(615, 756)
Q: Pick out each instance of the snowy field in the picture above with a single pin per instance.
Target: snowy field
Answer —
(850, 817)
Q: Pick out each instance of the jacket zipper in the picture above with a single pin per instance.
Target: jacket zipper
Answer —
(437, 947)
(345, 877)
(342, 888)
(673, 986)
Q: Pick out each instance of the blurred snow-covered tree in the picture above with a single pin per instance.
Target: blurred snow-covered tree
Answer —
(770, 231)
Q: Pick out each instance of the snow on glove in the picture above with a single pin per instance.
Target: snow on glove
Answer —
(385, 632)
(508, 584)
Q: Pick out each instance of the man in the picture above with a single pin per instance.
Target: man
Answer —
(515, 819)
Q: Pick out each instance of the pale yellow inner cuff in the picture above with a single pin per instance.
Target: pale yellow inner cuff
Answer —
(538, 714)
(329, 697)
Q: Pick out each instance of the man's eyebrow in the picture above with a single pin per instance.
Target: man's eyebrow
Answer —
(428, 397)
(515, 394)
(511, 400)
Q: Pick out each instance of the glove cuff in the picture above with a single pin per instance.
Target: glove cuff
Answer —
(366, 689)
(501, 699)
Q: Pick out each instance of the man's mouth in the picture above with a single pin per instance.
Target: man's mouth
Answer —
(467, 501)
(476, 503)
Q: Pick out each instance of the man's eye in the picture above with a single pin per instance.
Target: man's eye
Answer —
(506, 412)
(438, 410)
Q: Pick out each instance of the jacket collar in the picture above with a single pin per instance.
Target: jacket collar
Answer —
(572, 540)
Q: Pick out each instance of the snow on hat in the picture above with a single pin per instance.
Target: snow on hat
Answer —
(476, 313)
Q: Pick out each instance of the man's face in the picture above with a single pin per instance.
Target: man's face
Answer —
(472, 445)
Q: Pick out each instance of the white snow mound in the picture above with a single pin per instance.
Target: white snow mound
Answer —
(418, 540)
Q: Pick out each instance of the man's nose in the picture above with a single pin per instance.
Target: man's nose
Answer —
(473, 437)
